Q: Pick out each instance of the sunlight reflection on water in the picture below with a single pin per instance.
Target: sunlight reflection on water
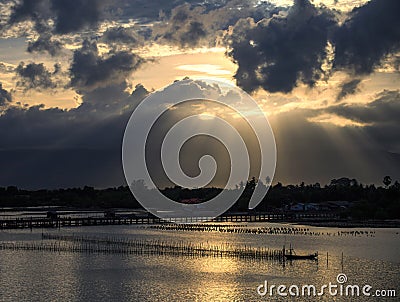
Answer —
(53, 276)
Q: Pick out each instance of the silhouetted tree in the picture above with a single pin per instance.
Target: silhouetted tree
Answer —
(387, 180)
(368, 201)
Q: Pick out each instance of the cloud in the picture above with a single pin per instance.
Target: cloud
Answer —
(73, 16)
(35, 76)
(370, 33)
(35, 10)
(82, 146)
(6, 68)
(54, 23)
(353, 139)
(276, 53)
(45, 43)
(90, 70)
(82, 127)
(347, 88)
(275, 49)
(386, 129)
(193, 25)
(51, 147)
(122, 35)
(61, 148)
(68, 16)
(5, 96)
(397, 63)
(182, 28)
(183, 23)
(151, 10)
(319, 152)
(384, 109)
(381, 117)
(194, 33)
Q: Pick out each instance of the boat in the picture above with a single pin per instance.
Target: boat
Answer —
(299, 257)
(293, 256)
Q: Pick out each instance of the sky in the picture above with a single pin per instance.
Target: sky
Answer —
(325, 73)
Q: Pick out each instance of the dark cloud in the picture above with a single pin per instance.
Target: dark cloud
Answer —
(73, 16)
(54, 19)
(369, 34)
(194, 33)
(276, 53)
(151, 10)
(34, 76)
(347, 88)
(396, 63)
(45, 44)
(5, 96)
(61, 148)
(319, 152)
(82, 146)
(52, 147)
(182, 27)
(381, 118)
(68, 16)
(35, 10)
(89, 70)
(183, 23)
(384, 109)
(367, 152)
(386, 129)
(127, 36)
(191, 25)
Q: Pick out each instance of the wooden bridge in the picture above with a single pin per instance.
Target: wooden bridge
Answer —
(57, 222)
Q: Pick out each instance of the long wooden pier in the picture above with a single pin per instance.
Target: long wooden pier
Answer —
(57, 222)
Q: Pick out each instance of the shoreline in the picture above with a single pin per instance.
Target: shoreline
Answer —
(352, 224)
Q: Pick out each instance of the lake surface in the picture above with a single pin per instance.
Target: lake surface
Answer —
(370, 258)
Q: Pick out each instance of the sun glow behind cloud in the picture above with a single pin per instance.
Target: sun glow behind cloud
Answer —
(156, 50)
(336, 120)
(161, 71)
(343, 5)
(208, 69)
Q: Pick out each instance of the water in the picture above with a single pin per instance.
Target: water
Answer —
(64, 276)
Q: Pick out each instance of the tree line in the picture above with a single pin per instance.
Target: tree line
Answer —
(367, 201)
